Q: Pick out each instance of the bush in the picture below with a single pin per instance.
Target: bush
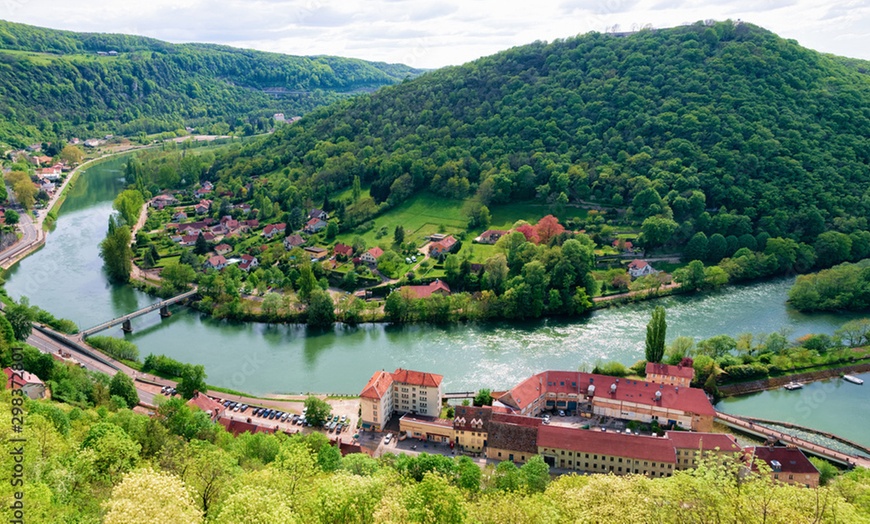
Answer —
(115, 347)
(163, 365)
(614, 369)
(747, 371)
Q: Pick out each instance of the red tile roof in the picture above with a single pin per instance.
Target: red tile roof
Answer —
(427, 290)
(20, 378)
(669, 370)
(637, 264)
(702, 441)
(792, 460)
(690, 400)
(472, 418)
(342, 249)
(417, 378)
(607, 443)
(205, 403)
(377, 386)
(237, 427)
(376, 252)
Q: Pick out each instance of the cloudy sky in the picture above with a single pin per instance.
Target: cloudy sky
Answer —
(429, 33)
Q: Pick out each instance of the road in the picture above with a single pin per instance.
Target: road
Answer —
(48, 345)
(29, 236)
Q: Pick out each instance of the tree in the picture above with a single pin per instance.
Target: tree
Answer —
(536, 474)
(149, 496)
(192, 380)
(547, 228)
(357, 190)
(177, 276)
(201, 247)
(149, 261)
(21, 318)
(129, 204)
(696, 249)
(321, 309)
(655, 335)
(116, 252)
(331, 229)
(389, 263)
(656, 231)
(691, 276)
(317, 411)
(832, 248)
(716, 249)
(207, 471)
(71, 154)
(399, 235)
(495, 272)
(11, 217)
(483, 398)
(122, 386)
(271, 305)
(467, 474)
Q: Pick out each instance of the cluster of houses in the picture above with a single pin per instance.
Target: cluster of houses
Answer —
(512, 428)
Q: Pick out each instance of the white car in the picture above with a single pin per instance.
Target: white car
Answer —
(388, 438)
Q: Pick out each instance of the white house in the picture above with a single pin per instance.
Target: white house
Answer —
(640, 268)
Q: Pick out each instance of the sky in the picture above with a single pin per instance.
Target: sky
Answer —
(431, 34)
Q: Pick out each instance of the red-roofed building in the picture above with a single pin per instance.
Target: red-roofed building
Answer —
(314, 225)
(437, 287)
(668, 374)
(223, 249)
(274, 229)
(691, 445)
(248, 263)
(292, 241)
(205, 403)
(622, 245)
(372, 255)
(605, 452)
(787, 464)
(640, 268)
(512, 437)
(216, 262)
(490, 236)
(402, 391)
(26, 381)
(685, 407)
(471, 427)
(237, 427)
(343, 250)
(442, 247)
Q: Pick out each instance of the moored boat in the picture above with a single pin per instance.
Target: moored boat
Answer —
(853, 379)
(791, 386)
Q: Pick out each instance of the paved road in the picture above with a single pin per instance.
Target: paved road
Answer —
(29, 236)
(48, 345)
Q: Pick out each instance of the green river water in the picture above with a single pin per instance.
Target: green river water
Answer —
(66, 278)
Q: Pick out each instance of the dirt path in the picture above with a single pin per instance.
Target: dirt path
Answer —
(143, 216)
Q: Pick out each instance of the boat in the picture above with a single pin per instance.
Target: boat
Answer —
(853, 379)
(791, 386)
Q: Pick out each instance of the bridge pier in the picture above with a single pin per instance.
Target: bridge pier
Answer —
(127, 327)
(164, 312)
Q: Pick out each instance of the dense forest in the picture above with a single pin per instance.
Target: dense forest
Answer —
(722, 128)
(57, 84)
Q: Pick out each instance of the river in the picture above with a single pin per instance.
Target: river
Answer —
(66, 278)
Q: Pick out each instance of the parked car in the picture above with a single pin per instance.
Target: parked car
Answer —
(561, 413)
(388, 438)
(244, 408)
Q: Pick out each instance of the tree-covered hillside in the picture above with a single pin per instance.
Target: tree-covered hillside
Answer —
(726, 128)
(56, 84)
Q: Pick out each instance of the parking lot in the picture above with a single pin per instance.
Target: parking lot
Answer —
(291, 421)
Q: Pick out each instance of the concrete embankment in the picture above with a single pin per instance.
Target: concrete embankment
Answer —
(755, 386)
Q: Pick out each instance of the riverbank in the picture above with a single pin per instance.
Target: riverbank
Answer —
(754, 386)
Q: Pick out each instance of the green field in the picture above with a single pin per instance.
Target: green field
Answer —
(504, 216)
(421, 215)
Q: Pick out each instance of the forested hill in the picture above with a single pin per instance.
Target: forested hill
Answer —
(55, 84)
(773, 132)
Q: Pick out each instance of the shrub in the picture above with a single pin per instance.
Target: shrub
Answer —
(115, 347)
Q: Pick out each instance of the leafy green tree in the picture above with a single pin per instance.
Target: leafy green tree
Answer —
(149, 496)
(716, 249)
(389, 263)
(691, 276)
(129, 204)
(122, 386)
(696, 249)
(357, 190)
(536, 474)
(11, 217)
(507, 476)
(192, 380)
(832, 248)
(399, 235)
(116, 251)
(483, 397)
(21, 318)
(656, 231)
(331, 229)
(307, 283)
(208, 472)
(317, 411)
(176, 276)
(321, 309)
(149, 261)
(468, 474)
(201, 246)
(655, 335)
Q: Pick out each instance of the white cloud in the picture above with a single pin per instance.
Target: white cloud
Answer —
(429, 33)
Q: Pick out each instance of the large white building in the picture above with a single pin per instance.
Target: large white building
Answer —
(402, 391)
